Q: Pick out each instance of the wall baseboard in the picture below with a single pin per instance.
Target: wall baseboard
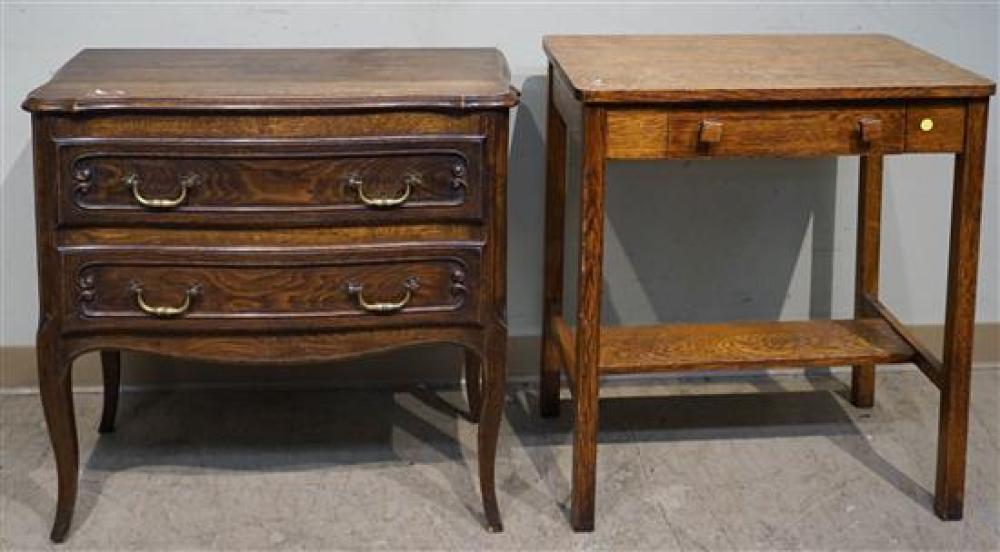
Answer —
(430, 365)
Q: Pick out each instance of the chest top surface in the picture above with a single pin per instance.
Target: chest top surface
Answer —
(652, 68)
(177, 79)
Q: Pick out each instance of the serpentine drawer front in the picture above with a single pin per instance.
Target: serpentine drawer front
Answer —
(194, 181)
(226, 292)
(352, 201)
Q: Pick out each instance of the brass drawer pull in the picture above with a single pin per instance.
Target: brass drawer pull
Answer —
(357, 290)
(165, 312)
(186, 182)
(355, 181)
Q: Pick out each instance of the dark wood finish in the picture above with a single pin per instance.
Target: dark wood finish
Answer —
(867, 266)
(234, 291)
(111, 371)
(703, 68)
(208, 205)
(960, 314)
(474, 385)
(260, 182)
(683, 97)
(290, 79)
(494, 353)
(555, 197)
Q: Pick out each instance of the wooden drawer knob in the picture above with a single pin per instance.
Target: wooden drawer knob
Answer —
(710, 132)
(871, 130)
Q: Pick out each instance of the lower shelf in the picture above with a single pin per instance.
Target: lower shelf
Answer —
(630, 349)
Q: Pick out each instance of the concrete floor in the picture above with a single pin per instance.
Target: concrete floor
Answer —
(753, 463)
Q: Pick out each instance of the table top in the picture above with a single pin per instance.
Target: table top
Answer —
(689, 68)
(164, 79)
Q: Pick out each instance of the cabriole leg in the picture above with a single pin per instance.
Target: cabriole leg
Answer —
(494, 377)
(111, 368)
(56, 387)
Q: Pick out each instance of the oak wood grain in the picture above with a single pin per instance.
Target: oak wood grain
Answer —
(699, 68)
(588, 318)
(866, 269)
(960, 315)
(638, 133)
(783, 131)
(771, 96)
(555, 221)
(750, 345)
(923, 357)
(935, 127)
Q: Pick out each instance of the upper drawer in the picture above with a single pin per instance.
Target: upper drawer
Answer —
(746, 132)
(196, 182)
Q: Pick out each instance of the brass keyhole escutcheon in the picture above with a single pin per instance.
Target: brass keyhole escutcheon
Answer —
(927, 124)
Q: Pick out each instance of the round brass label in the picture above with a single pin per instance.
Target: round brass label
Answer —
(926, 124)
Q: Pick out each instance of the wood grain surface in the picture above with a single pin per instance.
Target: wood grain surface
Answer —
(694, 68)
(242, 79)
(762, 96)
(867, 265)
(750, 345)
(241, 182)
(223, 188)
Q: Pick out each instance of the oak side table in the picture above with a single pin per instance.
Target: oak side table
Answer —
(682, 97)
(270, 206)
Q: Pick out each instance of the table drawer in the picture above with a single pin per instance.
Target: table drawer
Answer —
(210, 183)
(935, 127)
(752, 132)
(786, 132)
(218, 291)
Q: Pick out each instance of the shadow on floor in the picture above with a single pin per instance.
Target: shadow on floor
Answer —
(764, 414)
(281, 430)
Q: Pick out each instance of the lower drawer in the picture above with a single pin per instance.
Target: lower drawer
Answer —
(119, 290)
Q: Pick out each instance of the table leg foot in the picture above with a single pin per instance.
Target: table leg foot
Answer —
(56, 388)
(491, 414)
(863, 385)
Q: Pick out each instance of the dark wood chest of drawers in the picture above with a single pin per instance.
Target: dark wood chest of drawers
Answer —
(269, 205)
